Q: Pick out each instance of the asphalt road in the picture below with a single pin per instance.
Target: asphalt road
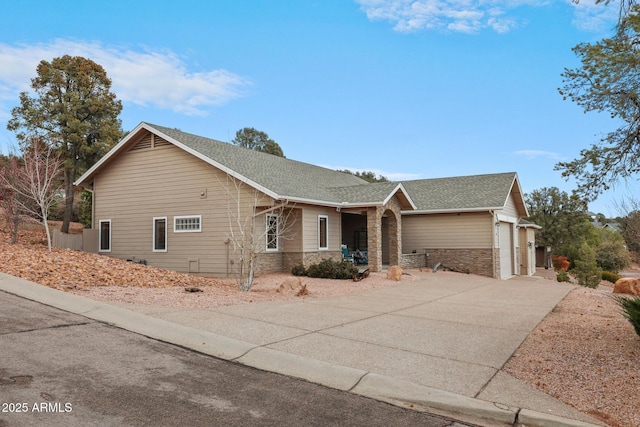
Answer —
(60, 369)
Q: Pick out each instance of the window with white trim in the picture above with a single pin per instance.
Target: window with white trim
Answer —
(272, 232)
(160, 234)
(323, 232)
(104, 237)
(187, 224)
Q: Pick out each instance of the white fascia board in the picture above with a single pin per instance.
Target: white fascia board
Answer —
(534, 226)
(327, 203)
(438, 211)
(399, 187)
(516, 183)
(506, 218)
(111, 153)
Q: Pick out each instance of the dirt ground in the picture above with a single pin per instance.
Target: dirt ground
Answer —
(584, 353)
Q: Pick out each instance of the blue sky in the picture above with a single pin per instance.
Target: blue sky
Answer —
(408, 89)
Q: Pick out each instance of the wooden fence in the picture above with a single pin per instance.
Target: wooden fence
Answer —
(87, 241)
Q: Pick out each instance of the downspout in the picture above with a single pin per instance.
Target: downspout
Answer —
(227, 242)
(93, 204)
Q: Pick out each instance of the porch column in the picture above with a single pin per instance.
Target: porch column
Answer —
(374, 238)
(395, 237)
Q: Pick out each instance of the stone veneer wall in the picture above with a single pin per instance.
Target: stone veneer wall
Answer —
(269, 262)
(476, 261)
(413, 261)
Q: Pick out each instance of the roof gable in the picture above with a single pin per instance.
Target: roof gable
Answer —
(466, 193)
(275, 176)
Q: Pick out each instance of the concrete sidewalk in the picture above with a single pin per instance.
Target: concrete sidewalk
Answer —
(436, 344)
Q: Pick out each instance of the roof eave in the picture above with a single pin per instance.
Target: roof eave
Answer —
(404, 192)
(452, 210)
(220, 166)
(516, 182)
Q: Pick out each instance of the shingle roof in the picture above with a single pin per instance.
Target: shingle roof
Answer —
(461, 192)
(286, 178)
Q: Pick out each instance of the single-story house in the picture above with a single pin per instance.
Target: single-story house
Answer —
(185, 202)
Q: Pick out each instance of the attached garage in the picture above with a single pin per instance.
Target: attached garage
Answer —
(467, 223)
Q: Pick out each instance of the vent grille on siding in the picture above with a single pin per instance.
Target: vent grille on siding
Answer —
(159, 142)
(144, 143)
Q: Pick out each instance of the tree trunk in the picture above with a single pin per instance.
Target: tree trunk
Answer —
(14, 232)
(69, 176)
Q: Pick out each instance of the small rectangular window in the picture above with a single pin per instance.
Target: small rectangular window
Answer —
(187, 224)
(272, 232)
(323, 232)
(104, 239)
(160, 234)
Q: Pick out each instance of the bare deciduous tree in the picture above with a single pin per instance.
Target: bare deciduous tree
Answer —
(250, 236)
(13, 212)
(629, 219)
(34, 184)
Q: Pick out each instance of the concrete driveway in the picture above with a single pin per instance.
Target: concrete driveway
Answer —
(444, 338)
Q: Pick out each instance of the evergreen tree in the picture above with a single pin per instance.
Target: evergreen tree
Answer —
(75, 111)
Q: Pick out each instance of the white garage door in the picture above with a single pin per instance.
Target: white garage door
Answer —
(506, 250)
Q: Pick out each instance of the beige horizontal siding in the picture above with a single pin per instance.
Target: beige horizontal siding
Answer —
(291, 239)
(510, 207)
(310, 228)
(446, 231)
(167, 182)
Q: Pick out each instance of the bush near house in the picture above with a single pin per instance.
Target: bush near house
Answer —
(610, 277)
(327, 269)
(299, 270)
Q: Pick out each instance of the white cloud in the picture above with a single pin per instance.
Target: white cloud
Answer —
(472, 16)
(147, 78)
(534, 154)
(467, 16)
(595, 17)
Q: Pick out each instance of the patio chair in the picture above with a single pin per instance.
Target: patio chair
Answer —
(360, 257)
(346, 256)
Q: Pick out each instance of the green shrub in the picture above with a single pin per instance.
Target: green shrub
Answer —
(586, 270)
(612, 256)
(329, 269)
(610, 277)
(563, 276)
(299, 270)
(631, 310)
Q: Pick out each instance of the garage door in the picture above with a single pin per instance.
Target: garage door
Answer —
(506, 250)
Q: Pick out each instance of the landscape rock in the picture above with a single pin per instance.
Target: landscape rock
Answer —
(627, 285)
(394, 273)
(292, 286)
